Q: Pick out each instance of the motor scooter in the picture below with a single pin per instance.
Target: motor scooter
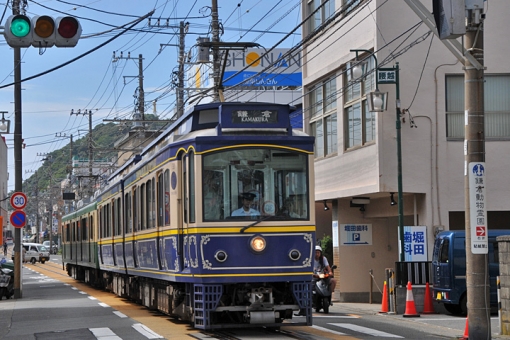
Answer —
(321, 292)
(6, 283)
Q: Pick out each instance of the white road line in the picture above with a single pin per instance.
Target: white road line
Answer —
(328, 330)
(92, 298)
(145, 331)
(104, 333)
(366, 330)
(120, 314)
(82, 292)
(103, 304)
(335, 317)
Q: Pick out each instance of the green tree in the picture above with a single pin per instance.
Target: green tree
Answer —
(327, 248)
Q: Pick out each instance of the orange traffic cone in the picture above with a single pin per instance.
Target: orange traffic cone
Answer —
(466, 331)
(384, 306)
(428, 307)
(410, 307)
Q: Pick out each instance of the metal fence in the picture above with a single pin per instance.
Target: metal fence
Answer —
(418, 273)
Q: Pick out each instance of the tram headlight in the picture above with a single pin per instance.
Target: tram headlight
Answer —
(294, 254)
(220, 256)
(258, 243)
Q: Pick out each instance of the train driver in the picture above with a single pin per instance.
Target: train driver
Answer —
(246, 209)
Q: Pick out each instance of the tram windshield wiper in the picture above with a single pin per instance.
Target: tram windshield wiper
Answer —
(255, 223)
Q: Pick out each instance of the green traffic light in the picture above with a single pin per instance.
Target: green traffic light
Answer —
(20, 27)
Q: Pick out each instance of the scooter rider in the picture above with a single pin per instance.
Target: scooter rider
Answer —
(321, 265)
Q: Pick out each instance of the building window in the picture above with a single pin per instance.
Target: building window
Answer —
(496, 101)
(359, 122)
(349, 5)
(321, 15)
(323, 117)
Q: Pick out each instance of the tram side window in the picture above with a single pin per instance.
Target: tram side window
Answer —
(128, 222)
(118, 218)
(101, 222)
(191, 174)
(114, 217)
(108, 220)
(167, 197)
(136, 218)
(84, 229)
(160, 200)
(73, 232)
(143, 217)
(68, 232)
(149, 201)
(152, 205)
(91, 227)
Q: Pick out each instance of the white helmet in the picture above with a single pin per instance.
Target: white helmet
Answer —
(318, 248)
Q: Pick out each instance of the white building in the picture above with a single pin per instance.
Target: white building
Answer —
(356, 150)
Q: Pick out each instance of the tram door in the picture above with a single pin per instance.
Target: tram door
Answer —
(188, 197)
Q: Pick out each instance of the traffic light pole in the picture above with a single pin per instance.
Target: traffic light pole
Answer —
(18, 165)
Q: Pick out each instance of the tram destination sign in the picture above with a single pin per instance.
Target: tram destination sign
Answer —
(255, 116)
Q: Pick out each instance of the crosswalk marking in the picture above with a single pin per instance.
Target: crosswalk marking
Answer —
(104, 333)
(327, 330)
(365, 330)
(146, 331)
(120, 314)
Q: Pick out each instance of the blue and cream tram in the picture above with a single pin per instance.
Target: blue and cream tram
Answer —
(166, 235)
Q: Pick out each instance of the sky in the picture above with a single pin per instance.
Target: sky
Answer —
(107, 86)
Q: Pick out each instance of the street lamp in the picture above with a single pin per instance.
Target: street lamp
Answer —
(377, 103)
(5, 124)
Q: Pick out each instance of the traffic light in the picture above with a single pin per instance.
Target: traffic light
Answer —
(44, 31)
(18, 31)
(41, 31)
(68, 32)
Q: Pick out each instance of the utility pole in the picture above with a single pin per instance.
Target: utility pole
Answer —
(477, 280)
(140, 107)
(215, 50)
(91, 153)
(141, 94)
(18, 165)
(183, 29)
(63, 135)
(180, 87)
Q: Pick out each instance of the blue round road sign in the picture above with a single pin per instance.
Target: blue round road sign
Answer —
(18, 218)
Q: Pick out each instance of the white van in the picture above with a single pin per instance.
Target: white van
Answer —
(33, 252)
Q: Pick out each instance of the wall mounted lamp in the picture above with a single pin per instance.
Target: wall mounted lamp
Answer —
(5, 124)
(326, 208)
(392, 202)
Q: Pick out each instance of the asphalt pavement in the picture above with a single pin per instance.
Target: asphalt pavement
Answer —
(49, 307)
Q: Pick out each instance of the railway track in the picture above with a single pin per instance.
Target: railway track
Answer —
(165, 325)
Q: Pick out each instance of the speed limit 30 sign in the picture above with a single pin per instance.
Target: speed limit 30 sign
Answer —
(18, 200)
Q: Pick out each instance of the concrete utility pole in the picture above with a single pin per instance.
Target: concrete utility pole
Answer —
(140, 107)
(91, 150)
(141, 94)
(215, 50)
(180, 87)
(477, 280)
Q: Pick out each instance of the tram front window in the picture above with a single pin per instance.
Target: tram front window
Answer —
(255, 183)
